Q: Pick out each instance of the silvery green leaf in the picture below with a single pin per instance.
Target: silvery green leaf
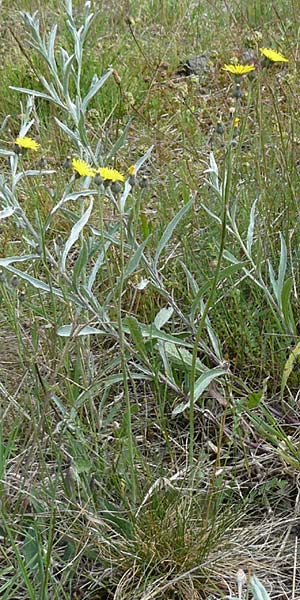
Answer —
(152, 333)
(97, 265)
(67, 68)
(79, 330)
(139, 163)
(51, 90)
(73, 196)
(229, 256)
(282, 266)
(4, 262)
(205, 379)
(127, 187)
(40, 285)
(81, 127)
(87, 25)
(182, 357)
(6, 152)
(25, 128)
(201, 385)
(50, 48)
(134, 261)
(75, 233)
(4, 123)
(73, 136)
(33, 173)
(163, 316)
(258, 590)
(124, 195)
(212, 214)
(170, 229)
(36, 94)
(7, 212)
(215, 342)
(142, 285)
(251, 228)
(214, 173)
(77, 45)
(273, 279)
(120, 142)
(192, 281)
(69, 8)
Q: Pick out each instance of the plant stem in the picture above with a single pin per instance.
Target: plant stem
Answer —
(224, 196)
(124, 362)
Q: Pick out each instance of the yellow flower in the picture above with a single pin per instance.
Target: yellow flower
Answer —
(131, 170)
(236, 122)
(273, 56)
(82, 168)
(27, 142)
(110, 174)
(238, 69)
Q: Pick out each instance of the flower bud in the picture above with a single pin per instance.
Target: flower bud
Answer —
(14, 282)
(143, 182)
(116, 187)
(98, 179)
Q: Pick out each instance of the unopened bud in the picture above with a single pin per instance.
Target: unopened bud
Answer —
(14, 282)
(67, 163)
(98, 179)
(143, 182)
(116, 77)
(116, 187)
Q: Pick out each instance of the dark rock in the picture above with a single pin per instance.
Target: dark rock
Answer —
(196, 65)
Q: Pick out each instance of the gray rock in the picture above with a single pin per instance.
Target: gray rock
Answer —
(195, 65)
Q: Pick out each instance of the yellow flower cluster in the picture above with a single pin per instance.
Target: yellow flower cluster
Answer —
(27, 143)
(239, 69)
(84, 170)
(273, 56)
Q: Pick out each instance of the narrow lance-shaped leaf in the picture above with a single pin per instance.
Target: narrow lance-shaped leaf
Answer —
(127, 187)
(282, 267)
(95, 87)
(73, 136)
(36, 94)
(135, 259)
(8, 260)
(68, 330)
(97, 265)
(201, 385)
(163, 317)
(7, 212)
(288, 367)
(75, 233)
(170, 229)
(251, 228)
(120, 141)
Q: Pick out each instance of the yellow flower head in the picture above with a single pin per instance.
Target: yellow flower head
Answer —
(110, 174)
(236, 122)
(82, 168)
(238, 69)
(273, 56)
(27, 142)
(131, 170)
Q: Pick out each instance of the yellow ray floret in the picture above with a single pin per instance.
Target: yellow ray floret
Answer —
(238, 69)
(27, 142)
(110, 174)
(131, 170)
(273, 56)
(82, 168)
